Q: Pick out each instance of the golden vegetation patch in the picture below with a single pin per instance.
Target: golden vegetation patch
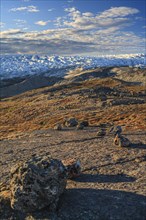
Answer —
(43, 108)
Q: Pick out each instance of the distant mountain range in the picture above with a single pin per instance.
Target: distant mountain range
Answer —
(13, 66)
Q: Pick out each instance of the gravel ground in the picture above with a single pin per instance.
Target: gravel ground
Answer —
(113, 180)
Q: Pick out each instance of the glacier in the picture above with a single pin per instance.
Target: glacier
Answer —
(23, 65)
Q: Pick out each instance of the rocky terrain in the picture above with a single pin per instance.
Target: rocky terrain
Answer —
(112, 183)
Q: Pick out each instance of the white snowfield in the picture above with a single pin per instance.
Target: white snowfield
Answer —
(22, 65)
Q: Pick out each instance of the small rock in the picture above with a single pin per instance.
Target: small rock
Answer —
(58, 127)
(121, 141)
(116, 130)
(80, 126)
(84, 123)
(101, 132)
(73, 168)
(37, 183)
(72, 122)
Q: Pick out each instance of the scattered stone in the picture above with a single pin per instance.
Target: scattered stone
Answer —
(84, 123)
(101, 132)
(80, 126)
(116, 130)
(58, 127)
(73, 168)
(121, 141)
(37, 183)
(72, 122)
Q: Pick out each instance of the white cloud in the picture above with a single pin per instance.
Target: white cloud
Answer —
(111, 17)
(87, 14)
(30, 8)
(10, 32)
(42, 23)
(73, 12)
(78, 33)
(51, 9)
(118, 12)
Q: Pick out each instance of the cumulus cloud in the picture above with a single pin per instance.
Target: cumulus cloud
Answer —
(118, 12)
(111, 17)
(42, 23)
(30, 8)
(11, 32)
(78, 33)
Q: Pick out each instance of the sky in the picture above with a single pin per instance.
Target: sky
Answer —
(73, 27)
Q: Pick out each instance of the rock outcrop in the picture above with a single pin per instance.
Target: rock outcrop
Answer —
(37, 183)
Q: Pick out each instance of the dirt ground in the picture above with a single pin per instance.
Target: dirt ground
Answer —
(112, 185)
(113, 180)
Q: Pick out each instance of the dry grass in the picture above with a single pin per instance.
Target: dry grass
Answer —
(42, 108)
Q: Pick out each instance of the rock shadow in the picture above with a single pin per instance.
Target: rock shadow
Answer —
(137, 145)
(101, 205)
(100, 178)
(84, 204)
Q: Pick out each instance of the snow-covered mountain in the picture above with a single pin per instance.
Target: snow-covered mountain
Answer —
(21, 65)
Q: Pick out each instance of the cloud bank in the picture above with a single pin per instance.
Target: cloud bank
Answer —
(77, 33)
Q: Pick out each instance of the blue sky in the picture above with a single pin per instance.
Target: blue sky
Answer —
(73, 27)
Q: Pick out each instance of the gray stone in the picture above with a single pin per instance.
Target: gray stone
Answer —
(116, 130)
(73, 168)
(37, 183)
(80, 126)
(58, 127)
(101, 132)
(72, 122)
(121, 141)
(84, 123)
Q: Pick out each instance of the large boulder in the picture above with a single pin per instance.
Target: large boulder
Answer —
(37, 183)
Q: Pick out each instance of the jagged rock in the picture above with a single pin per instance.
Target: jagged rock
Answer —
(121, 141)
(73, 168)
(58, 127)
(72, 122)
(37, 183)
